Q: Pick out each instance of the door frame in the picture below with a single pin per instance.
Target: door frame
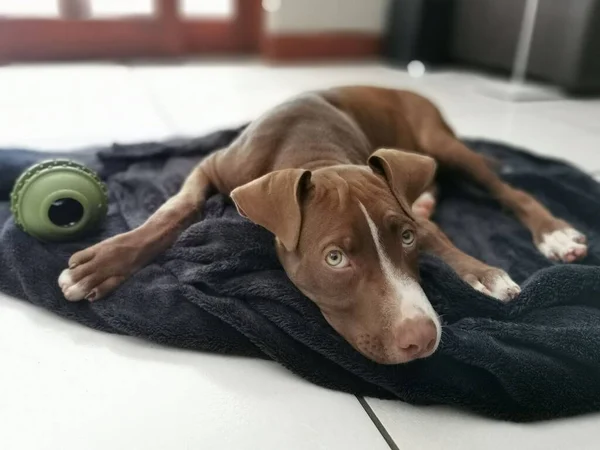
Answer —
(165, 34)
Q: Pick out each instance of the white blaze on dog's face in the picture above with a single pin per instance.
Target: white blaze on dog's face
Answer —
(347, 239)
(406, 294)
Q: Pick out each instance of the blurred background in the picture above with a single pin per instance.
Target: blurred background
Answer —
(558, 40)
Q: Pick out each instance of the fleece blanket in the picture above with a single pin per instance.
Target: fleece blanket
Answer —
(221, 289)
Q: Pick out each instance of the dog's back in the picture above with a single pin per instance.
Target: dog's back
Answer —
(342, 125)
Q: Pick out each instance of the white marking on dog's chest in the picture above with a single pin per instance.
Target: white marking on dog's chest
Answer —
(408, 292)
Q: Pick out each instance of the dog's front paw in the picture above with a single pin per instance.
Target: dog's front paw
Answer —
(424, 206)
(565, 244)
(492, 281)
(98, 270)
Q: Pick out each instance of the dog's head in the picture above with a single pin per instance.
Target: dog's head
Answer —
(347, 239)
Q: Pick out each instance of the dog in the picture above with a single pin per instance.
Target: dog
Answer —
(344, 180)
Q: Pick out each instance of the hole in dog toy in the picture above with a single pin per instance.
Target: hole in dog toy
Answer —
(65, 212)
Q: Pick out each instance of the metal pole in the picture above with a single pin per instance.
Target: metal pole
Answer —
(519, 72)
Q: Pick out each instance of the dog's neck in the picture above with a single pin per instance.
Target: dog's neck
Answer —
(322, 164)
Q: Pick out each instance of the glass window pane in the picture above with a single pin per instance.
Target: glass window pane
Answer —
(29, 8)
(207, 8)
(120, 8)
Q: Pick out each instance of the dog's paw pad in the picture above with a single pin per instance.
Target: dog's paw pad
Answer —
(504, 288)
(65, 280)
(71, 290)
(424, 206)
(566, 245)
(493, 282)
(479, 286)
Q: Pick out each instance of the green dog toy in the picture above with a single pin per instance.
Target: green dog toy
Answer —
(58, 200)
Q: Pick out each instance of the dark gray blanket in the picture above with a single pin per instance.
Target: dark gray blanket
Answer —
(221, 289)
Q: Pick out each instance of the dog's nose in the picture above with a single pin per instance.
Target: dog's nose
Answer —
(417, 336)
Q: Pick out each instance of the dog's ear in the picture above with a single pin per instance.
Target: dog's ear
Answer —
(274, 202)
(408, 174)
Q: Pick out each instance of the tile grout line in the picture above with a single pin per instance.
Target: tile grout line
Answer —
(384, 433)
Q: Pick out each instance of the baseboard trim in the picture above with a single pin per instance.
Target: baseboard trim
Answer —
(293, 47)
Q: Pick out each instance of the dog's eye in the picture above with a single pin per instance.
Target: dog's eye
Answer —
(408, 238)
(336, 258)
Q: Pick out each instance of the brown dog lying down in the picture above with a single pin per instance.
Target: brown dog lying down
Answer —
(344, 180)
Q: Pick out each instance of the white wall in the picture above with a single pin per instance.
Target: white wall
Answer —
(314, 16)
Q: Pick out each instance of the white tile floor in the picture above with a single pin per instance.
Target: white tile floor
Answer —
(66, 387)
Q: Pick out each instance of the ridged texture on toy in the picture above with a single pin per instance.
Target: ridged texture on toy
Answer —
(40, 168)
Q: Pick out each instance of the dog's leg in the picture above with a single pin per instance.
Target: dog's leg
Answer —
(554, 237)
(424, 206)
(489, 280)
(97, 270)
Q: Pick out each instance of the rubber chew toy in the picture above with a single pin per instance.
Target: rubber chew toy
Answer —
(58, 200)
